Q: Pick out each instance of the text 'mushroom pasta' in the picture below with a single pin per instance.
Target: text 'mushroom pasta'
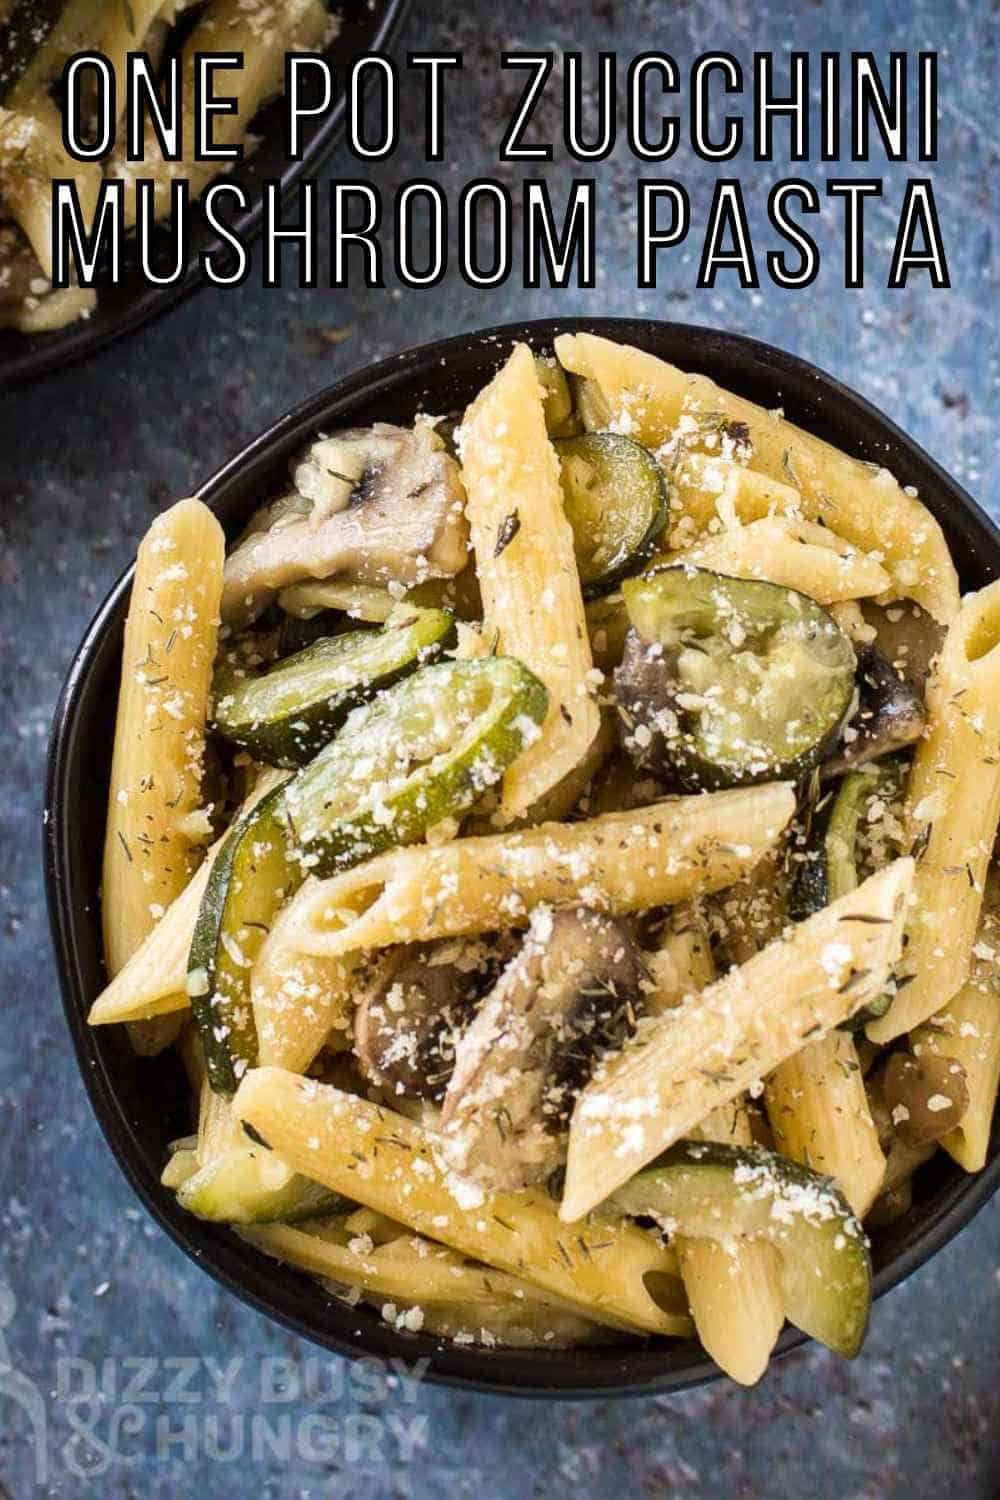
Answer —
(558, 837)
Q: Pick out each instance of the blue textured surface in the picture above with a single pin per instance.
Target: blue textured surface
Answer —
(87, 459)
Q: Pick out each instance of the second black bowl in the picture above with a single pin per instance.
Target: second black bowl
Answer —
(142, 1105)
(365, 26)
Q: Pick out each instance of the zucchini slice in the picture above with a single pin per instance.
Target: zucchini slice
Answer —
(254, 872)
(708, 1191)
(419, 753)
(729, 681)
(841, 849)
(250, 1185)
(290, 712)
(616, 504)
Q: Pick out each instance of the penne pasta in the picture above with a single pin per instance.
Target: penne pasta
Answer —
(952, 811)
(416, 1273)
(715, 1045)
(659, 404)
(819, 1114)
(299, 999)
(527, 573)
(709, 491)
(155, 827)
(968, 1030)
(796, 554)
(154, 980)
(388, 1163)
(733, 1287)
(619, 862)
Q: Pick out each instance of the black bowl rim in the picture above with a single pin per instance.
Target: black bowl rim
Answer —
(27, 357)
(509, 1372)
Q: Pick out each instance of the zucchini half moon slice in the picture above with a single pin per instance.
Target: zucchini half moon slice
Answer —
(249, 1184)
(419, 753)
(254, 872)
(615, 501)
(729, 681)
(290, 712)
(708, 1191)
(840, 849)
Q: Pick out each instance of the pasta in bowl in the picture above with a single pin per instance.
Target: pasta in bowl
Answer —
(537, 985)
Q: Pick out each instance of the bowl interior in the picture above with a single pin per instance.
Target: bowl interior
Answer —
(365, 26)
(142, 1105)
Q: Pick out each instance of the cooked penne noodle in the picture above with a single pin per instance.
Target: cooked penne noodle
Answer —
(123, 29)
(709, 491)
(527, 570)
(155, 826)
(796, 554)
(952, 811)
(153, 832)
(715, 1045)
(620, 862)
(733, 1288)
(416, 1272)
(299, 999)
(968, 1030)
(154, 980)
(818, 1109)
(387, 1162)
(658, 403)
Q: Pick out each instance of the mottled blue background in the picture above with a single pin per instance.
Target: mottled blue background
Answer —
(88, 457)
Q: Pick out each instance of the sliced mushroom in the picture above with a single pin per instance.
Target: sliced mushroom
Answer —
(376, 505)
(406, 1027)
(889, 716)
(926, 1096)
(647, 703)
(570, 995)
(907, 636)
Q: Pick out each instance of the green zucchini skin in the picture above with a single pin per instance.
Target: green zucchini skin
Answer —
(708, 1190)
(615, 500)
(729, 681)
(831, 866)
(249, 1185)
(286, 715)
(254, 872)
(420, 752)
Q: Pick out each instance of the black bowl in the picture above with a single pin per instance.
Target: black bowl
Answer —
(366, 26)
(142, 1105)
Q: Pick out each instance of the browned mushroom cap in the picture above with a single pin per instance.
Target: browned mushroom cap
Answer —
(406, 1026)
(571, 993)
(907, 636)
(382, 505)
(927, 1096)
(889, 716)
(647, 709)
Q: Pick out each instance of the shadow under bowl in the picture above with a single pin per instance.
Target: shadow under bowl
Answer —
(142, 1105)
